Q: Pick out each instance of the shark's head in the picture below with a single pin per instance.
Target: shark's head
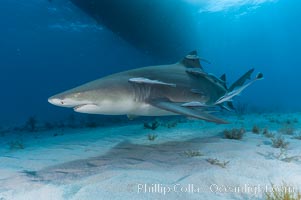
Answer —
(70, 99)
(94, 98)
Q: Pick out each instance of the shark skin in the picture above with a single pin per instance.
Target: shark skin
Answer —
(148, 91)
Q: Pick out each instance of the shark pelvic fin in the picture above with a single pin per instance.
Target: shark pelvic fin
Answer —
(167, 105)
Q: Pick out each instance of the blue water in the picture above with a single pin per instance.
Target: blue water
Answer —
(48, 47)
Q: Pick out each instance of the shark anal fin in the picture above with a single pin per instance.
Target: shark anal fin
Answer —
(167, 105)
(142, 80)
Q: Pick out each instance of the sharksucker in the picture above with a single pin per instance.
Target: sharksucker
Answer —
(242, 79)
(230, 95)
(183, 88)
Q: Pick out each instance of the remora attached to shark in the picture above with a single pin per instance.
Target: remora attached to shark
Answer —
(183, 88)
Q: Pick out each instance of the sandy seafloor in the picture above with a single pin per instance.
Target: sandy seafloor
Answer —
(113, 162)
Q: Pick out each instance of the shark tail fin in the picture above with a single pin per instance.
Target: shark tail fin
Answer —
(239, 82)
(259, 76)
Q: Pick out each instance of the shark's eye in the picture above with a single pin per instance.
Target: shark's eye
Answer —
(62, 102)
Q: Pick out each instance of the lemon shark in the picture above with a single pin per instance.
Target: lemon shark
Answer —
(183, 88)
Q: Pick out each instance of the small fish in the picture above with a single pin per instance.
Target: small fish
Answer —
(229, 96)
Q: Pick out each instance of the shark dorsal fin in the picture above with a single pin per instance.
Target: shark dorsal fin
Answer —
(192, 60)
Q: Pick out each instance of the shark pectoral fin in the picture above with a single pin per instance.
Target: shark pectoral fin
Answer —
(142, 80)
(167, 105)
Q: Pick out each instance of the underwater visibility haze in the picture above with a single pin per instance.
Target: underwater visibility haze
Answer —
(171, 112)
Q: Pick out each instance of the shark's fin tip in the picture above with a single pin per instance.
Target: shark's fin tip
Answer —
(260, 76)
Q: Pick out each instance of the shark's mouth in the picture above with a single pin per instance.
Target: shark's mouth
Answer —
(79, 106)
(87, 108)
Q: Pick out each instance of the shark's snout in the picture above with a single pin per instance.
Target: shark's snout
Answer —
(62, 102)
(56, 101)
(82, 106)
(65, 102)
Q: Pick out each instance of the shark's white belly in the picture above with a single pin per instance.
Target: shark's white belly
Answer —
(124, 107)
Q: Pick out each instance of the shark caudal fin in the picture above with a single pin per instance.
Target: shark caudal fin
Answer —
(241, 80)
(240, 83)
(259, 76)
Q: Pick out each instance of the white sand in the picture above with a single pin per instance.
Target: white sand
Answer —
(118, 162)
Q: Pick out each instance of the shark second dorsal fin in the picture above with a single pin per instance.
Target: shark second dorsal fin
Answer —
(192, 60)
(223, 77)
